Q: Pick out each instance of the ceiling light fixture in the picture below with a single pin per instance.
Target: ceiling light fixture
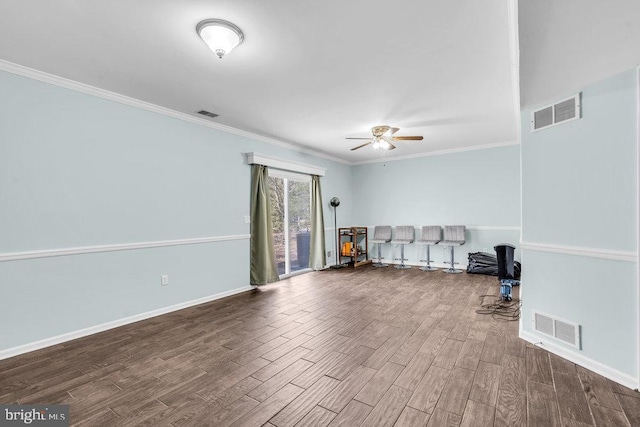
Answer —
(382, 138)
(221, 36)
(379, 142)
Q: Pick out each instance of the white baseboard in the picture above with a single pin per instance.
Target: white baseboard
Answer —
(595, 366)
(59, 339)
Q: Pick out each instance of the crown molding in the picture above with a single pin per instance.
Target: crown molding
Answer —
(44, 77)
(439, 152)
(31, 73)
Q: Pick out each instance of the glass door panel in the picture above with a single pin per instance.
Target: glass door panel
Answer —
(290, 214)
(277, 193)
(299, 222)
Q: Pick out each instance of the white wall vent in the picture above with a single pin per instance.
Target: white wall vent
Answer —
(567, 332)
(554, 114)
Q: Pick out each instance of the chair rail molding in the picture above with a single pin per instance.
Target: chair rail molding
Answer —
(473, 227)
(627, 256)
(16, 256)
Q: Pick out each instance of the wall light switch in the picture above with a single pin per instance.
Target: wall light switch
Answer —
(164, 280)
(247, 219)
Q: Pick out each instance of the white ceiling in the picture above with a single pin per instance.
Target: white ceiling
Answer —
(312, 73)
(566, 45)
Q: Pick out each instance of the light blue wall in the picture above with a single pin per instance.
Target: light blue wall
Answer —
(600, 295)
(579, 189)
(479, 189)
(50, 296)
(77, 170)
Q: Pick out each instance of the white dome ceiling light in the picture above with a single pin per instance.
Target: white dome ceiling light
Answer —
(221, 36)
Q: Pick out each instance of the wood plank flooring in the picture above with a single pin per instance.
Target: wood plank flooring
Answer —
(365, 346)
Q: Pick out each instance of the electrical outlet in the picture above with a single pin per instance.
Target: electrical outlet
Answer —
(247, 219)
(164, 280)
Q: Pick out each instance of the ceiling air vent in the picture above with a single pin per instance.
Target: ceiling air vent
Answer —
(567, 332)
(551, 115)
(208, 114)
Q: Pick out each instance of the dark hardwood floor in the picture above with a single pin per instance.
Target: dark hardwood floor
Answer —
(347, 347)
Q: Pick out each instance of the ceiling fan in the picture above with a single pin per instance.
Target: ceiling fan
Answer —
(382, 138)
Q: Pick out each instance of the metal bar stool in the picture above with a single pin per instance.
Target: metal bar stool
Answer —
(453, 236)
(381, 234)
(431, 235)
(405, 234)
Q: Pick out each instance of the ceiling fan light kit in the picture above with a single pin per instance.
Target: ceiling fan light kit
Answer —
(382, 138)
(221, 36)
(381, 144)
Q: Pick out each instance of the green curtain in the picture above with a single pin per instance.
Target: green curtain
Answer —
(317, 254)
(263, 260)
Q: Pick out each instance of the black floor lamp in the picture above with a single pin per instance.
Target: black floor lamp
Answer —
(335, 202)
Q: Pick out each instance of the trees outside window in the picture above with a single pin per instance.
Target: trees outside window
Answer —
(290, 213)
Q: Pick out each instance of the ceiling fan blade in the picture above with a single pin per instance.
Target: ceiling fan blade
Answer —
(358, 138)
(393, 130)
(408, 138)
(360, 146)
(388, 140)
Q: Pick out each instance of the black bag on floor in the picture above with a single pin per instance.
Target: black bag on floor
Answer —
(485, 263)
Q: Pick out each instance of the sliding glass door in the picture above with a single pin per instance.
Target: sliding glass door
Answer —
(290, 213)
